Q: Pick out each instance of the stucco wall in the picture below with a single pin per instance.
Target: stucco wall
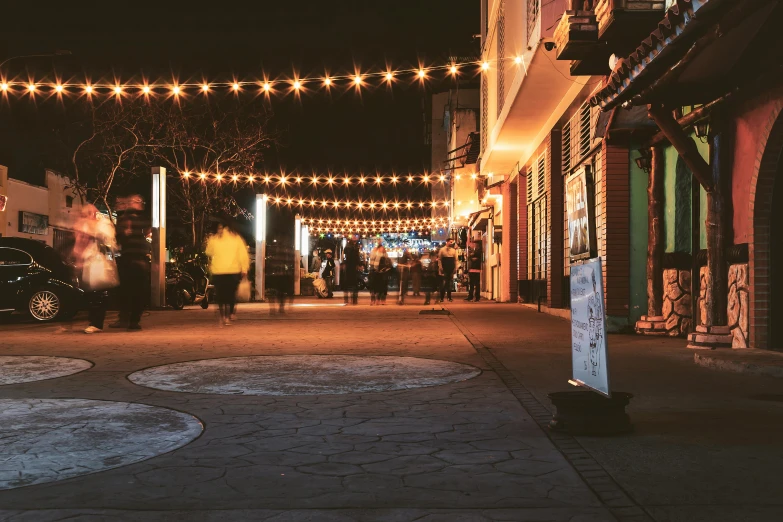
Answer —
(677, 197)
(638, 239)
(748, 145)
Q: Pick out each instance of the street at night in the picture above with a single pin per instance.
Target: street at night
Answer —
(453, 260)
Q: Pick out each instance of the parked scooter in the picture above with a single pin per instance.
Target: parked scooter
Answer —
(187, 284)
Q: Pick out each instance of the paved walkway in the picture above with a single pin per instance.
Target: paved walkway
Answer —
(470, 447)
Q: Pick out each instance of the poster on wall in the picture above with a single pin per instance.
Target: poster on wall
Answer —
(30, 223)
(590, 365)
(580, 237)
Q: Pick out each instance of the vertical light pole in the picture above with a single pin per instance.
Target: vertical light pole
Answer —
(304, 248)
(158, 269)
(297, 253)
(261, 247)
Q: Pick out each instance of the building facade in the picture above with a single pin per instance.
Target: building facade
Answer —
(42, 213)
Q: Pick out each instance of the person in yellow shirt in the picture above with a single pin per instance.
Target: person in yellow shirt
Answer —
(229, 263)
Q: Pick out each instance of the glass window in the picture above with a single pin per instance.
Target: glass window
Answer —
(12, 256)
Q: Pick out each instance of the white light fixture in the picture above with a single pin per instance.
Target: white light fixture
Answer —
(305, 246)
(159, 197)
(261, 216)
(297, 233)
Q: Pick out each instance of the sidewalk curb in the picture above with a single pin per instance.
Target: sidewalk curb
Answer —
(597, 479)
(737, 366)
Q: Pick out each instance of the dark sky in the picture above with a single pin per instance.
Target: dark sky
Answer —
(242, 39)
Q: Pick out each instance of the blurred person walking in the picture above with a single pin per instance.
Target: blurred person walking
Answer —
(416, 270)
(448, 263)
(93, 254)
(380, 265)
(315, 264)
(404, 269)
(327, 273)
(229, 263)
(134, 261)
(351, 272)
(474, 273)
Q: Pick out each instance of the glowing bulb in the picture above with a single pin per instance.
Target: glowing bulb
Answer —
(330, 180)
(297, 84)
(327, 81)
(453, 69)
(518, 60)
(347, 180)
(357, 80)
(117, 90)
(58, 88)
(235, 86)
(473, 176)
(298, 179)
(442, 178)
(3, 86)
(362, 180)
(394, 179)
(315, 180)
(175, 90)
(421, 73)
(389, 76)
(250, 179)
(267, 86)
(145, 89)
(485, 66)
(205, 88)
(234, 177)
(186, 174)
(219, 177)
(378, 180)
(31, 87)
(458, 177)
(88, 89)
(202, 175)
(283, 179)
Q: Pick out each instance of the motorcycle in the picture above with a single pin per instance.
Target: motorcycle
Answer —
(187, 284)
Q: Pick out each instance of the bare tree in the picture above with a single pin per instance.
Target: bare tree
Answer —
(117, 141)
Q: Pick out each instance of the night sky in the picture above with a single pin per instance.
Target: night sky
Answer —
(245, 40)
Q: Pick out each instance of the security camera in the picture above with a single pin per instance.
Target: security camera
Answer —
(549, 45)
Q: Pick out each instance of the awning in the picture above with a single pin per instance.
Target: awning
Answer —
(694, 47)
(478, 220)
(473, 149)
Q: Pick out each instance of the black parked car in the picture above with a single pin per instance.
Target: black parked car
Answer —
(34, 279)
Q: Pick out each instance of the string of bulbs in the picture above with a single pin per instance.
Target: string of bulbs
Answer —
(360, 205)
(324, 180)
(267, 86)
(367, 230)
(377, 223)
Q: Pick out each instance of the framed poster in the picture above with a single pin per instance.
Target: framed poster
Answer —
(581, 217)
(30, 223)
(590, 365)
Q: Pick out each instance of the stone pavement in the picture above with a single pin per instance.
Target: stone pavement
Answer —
(456, 451)
(707, 444)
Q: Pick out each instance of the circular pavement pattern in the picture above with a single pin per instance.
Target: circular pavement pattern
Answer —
(302, 374)
(45, 440)
(15, 369)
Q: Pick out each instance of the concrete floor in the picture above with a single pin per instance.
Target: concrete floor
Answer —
(706, 445)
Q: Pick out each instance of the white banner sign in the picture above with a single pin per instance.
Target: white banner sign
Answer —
(588, 327)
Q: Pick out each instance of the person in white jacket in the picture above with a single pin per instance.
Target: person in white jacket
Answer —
(229, 263)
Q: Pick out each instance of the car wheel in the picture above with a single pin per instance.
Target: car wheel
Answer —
(44, 305)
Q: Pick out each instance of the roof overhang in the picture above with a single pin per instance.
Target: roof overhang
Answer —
(478, 219)
(690, 56)
(539, 94)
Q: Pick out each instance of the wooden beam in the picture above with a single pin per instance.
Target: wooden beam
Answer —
(693, 117)
(655, 233)
(684, 144)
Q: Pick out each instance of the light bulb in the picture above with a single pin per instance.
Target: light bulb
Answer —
(117, 90)
(389, 76)
(267, 86)
(453, 69)
(357, 80)
(205, 88)
(421, 73)
(145, 89)
(327, 81)
(58, 88)
(31, 87)
(235, 86)
(3, 86)
(485, 66)
(518, 60)
(297, 84)
(175, 90)
(88, 89)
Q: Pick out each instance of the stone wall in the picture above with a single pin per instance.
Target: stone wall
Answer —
(738, 310)
(704, 280)
(677, 301)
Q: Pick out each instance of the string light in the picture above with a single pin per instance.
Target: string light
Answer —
(518, 60)
(357, 78)
(357, 205)
(346, 180)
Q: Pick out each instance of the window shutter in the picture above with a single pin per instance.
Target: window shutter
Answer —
(566, 140)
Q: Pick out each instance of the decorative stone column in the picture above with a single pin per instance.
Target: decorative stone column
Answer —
(675, 319)
(738, 306)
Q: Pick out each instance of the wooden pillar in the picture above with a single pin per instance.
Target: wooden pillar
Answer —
(717, 288)
(655, 233)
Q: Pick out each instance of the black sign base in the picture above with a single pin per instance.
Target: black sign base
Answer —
(588, 413)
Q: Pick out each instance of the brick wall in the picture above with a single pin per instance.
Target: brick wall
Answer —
(508, 261)
(554, 181)
(615, 227)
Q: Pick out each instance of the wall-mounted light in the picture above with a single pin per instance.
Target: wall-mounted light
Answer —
(644, 161)
(702, 130)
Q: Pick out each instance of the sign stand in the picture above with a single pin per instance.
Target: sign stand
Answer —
(594, 410)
